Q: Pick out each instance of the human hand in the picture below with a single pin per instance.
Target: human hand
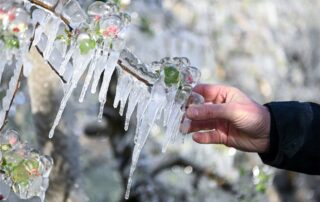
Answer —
(232, 118)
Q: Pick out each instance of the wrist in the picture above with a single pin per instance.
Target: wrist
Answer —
(266, 129)
(271, 150)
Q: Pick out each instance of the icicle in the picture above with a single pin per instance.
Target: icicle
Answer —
(124, 86)
(2, 67)
(51, 34)
(67, 58)
(142, 106)
(137, 94)
(173, 124)
(154, 108)
(171, 98)
(80, 62)
(43, 19)
(124, 98)
(89, 76)
(61, 108)
(13, 83)
(25, 57)
(121, 85)
(98, 71)
(170, 127)
(27, 64)
(62, 47)
(111, 64)
(176, 130)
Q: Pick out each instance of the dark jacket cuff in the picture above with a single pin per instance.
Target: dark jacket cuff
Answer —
(289, 123)
(270, 156)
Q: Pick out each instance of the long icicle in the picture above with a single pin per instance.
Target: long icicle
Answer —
(81, 62)
(154, 108)
(92, 67)
(111, 64)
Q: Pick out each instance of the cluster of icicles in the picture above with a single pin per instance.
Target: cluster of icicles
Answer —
(16, 29)
(22, 169)
(91, 44)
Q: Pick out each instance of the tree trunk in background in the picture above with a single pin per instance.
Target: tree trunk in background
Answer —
(45, 97)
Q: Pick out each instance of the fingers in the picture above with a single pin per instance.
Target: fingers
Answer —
(209, 111)
(211, 137)
(203, 125)
(213, 93)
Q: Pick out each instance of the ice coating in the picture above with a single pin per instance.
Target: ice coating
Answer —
(51, 31)
(169, 95)
(13, 84)
(94, 45)
(73, 13)
(154, 108)
(110, 67)
(23, 170)
(81, 63)
(124, 87)
(101, 62)
(16, 30)
(91, 69)
(138, 94)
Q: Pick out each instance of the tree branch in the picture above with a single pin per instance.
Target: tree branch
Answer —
(11, 100)
(127, 61)
(198, 171)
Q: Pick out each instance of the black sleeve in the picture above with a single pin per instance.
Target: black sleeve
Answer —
(294, 137)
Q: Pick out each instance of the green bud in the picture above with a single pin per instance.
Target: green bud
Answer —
(12, 42)
(172, 76)
(86, 45)
(20, 175)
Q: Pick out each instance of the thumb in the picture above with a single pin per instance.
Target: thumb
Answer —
(209, 111)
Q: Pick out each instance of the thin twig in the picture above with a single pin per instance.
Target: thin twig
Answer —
(67, 23)
(11, 101)
(55, 71)
(51, 9)
(198, 170)
(125, 68)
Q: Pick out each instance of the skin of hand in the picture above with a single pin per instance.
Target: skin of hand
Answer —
(231, 118)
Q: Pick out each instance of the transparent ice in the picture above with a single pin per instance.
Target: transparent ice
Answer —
(81, 63)
(138, 94)
(92, 45)
(154, 108)
(26, 171)
(109, 69)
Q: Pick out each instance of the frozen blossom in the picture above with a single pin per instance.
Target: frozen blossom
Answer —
(91, 45)
(23, 170)
(16, 30)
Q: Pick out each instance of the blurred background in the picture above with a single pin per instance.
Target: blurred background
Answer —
(270, 49)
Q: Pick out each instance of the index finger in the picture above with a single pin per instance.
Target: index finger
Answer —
(212, 93)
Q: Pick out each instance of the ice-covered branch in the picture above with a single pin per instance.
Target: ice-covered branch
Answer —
(10, 95)
(91, 44)
(127, 61)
